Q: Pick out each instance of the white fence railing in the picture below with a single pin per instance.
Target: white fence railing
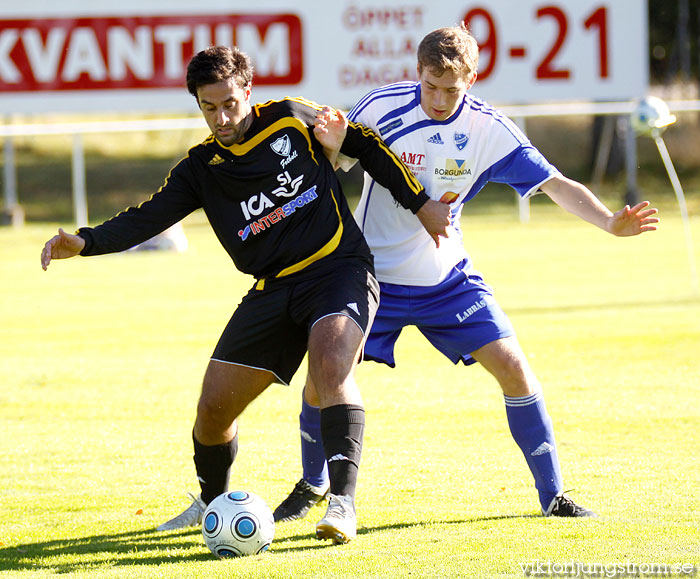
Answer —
(519, 113)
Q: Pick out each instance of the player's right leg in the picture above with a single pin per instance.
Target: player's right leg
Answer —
(227, 389)
(530, 423)
(462, 319)
(313, 486)
(339, 309)
(334, 346)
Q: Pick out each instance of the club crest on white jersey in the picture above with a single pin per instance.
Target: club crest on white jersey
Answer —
(461, 140)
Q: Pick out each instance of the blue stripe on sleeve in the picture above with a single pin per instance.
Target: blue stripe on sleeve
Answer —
(397, 89)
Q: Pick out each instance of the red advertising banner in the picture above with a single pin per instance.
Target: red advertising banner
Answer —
(131, 52)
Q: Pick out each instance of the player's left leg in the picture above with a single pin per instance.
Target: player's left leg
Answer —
(335, 343)
(529, 422)
(259, 345)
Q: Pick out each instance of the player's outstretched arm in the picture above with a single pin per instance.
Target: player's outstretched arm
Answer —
(61, 246)
(580, 201)
(330, 129)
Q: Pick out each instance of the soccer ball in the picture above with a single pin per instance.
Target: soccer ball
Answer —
(238, 523)
(651, 116)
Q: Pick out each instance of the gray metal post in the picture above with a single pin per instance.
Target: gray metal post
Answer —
(602, 157)
(632, 193)
(10, 213)
(10, 174)
(79, 189)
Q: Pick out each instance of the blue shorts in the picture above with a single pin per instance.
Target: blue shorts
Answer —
(457, 316)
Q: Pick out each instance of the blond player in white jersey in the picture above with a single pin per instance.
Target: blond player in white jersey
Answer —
(454, 143)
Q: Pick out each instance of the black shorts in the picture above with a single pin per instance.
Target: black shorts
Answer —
(270, 328)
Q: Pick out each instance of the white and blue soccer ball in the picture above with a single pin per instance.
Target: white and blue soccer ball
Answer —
(651, 116)
(238, 523)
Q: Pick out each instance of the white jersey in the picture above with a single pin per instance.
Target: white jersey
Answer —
(453, 159)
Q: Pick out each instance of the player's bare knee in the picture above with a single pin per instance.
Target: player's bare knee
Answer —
(519, 388)
(211, 425)
(207, 415)
(515, 377)
(329, 370)
(310, 394)
(331, 360)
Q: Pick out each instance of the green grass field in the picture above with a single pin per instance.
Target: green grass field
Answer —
(101, 361)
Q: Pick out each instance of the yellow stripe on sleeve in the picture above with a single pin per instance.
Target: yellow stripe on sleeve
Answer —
(410, 178)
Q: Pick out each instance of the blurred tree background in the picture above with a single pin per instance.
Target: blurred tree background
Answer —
(674, 49)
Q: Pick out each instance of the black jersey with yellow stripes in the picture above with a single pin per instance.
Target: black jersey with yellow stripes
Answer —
(273, 198)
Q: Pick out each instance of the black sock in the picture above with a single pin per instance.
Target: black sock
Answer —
(213, 464)
(342, 428)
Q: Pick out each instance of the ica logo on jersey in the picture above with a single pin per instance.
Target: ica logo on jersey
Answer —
(257, 204)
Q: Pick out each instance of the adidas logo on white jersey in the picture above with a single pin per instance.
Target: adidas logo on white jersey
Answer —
(436, 139)
(543, 448)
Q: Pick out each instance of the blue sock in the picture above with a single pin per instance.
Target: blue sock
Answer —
(532, 430)
(313, 457)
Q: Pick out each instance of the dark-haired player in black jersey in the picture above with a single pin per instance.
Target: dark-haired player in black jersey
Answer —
(274, 202)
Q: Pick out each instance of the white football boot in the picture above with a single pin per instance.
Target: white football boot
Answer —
(190, 517)
(340, 522)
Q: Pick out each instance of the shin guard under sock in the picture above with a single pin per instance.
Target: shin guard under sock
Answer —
(213, 464)
(342, 428)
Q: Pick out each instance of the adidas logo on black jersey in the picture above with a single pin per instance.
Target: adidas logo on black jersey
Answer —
(216, 160)
(436, 139)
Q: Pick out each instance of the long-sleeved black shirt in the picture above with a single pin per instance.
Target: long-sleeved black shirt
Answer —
(273, 199)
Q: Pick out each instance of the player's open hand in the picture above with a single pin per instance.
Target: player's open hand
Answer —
(435, 217)
(330, 128)
(633, 220)
(61, 246)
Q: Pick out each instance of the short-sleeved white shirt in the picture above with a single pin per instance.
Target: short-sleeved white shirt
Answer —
(453, 159)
